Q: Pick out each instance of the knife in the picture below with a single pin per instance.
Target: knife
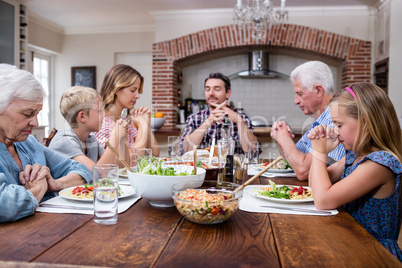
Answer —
(65, 207)
(319, 212)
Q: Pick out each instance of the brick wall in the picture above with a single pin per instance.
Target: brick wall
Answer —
(355, 55)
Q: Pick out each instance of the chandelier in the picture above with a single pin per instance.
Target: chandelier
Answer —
(258, 15)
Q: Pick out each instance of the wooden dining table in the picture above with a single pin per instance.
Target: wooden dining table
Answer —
(147, 236)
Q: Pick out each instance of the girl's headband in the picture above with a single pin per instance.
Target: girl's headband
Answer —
(351, 92)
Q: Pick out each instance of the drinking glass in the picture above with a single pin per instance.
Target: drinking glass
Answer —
(141, 158)
(105, 188)
(253, 152)
(225, 158)
(173, 143)
(238, 168)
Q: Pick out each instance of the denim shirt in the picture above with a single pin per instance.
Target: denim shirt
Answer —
(17, 202)
(304, 144)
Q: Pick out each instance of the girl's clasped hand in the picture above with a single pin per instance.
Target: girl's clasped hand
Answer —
(324, 139)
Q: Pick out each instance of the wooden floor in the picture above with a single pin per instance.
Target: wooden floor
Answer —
(400, 239)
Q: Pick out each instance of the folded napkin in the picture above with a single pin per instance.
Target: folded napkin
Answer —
(253, 169)
(251, 203)
(123, 205)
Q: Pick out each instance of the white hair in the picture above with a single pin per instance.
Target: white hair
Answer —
(312, 73)
(18, 84)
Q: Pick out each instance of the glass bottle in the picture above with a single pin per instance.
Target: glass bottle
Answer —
(228, 146)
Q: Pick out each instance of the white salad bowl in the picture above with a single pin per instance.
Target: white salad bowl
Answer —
(157, 189)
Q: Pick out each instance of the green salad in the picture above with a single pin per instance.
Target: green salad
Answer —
(155, 168)
(276, 192)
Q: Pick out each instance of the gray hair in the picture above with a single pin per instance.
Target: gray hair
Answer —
(312, 73)
(18, 84)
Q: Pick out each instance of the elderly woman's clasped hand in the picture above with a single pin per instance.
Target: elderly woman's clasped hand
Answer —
(324, 139)
(37, 174)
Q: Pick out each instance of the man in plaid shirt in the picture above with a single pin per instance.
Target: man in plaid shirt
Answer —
(203, 126)
(314, 88)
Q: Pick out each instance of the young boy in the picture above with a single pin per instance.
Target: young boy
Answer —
(83, 110)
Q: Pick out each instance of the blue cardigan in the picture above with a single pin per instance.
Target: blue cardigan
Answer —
(17, 202)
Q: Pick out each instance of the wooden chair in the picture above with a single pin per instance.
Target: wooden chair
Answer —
(46, 141)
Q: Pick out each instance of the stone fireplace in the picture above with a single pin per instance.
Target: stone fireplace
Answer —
(353, 54)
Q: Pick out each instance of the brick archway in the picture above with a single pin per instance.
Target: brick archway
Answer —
(355, 55)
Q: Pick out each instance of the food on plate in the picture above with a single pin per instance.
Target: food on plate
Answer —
(83, 192)
(205, 207)
(283, 164)
(285, 192)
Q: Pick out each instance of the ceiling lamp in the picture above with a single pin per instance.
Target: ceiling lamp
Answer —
(258, 15)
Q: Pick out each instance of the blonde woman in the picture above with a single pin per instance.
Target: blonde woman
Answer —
(121, 88)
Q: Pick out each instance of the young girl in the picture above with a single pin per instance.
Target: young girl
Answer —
(366, 182)
(120, 89)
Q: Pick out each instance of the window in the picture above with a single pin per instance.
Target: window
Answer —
(41, 70)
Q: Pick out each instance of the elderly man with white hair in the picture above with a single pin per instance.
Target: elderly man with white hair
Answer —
(313, 85)
(29, 172)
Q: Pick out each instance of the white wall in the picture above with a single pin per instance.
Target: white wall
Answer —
(395, 56)
(142, 62)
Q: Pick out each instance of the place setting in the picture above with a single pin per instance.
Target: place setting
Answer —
(282, 199)
(107, 195)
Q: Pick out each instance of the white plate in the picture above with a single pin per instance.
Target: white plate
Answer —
(127, 191)
(253, 192)
(123, 176)
(271, 170)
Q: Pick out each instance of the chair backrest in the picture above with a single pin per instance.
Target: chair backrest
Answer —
(46, 141)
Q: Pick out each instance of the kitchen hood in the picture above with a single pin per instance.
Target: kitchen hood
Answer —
(258, 67)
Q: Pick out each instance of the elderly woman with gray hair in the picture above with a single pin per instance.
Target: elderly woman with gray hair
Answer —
(29, 172)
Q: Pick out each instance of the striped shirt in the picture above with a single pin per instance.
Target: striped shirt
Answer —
(304, 144)
(106, 130)
(194, 121)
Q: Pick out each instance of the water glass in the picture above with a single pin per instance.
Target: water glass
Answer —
(141, 158)
(253, 152)
(238, 168)
(106, 193)
(173, 143)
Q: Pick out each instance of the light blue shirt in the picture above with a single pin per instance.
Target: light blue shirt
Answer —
(304, 144)
(17, 202)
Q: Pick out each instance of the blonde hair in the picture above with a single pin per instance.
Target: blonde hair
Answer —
(378, 124)
(118, 77)
(77, 99)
